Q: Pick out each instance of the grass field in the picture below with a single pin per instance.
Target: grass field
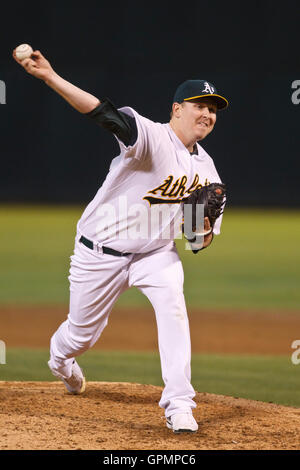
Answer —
(264, 378)
(254, 264)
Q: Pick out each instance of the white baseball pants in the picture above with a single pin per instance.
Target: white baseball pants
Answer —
(96, 282)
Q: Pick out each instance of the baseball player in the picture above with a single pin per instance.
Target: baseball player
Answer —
(125, 236)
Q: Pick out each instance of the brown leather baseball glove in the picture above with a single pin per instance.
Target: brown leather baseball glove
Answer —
(212, 198)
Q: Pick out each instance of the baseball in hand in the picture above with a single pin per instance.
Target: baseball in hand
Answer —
(23, 51)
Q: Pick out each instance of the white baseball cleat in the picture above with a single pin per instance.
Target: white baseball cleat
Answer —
(182, 422)
(76, 383)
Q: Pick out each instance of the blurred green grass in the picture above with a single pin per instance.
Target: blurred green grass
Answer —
(265, 378)
(253, 264)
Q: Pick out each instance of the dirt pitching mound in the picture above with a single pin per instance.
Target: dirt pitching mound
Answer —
(126, 416)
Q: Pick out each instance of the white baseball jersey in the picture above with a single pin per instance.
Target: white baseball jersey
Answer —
(138, 207)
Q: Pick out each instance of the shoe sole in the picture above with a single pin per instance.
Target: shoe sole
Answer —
(179, 431)
(82, 389)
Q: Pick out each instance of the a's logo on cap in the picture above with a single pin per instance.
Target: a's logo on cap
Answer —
(208, 88)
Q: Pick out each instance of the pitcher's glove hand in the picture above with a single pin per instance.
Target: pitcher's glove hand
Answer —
(213, 199)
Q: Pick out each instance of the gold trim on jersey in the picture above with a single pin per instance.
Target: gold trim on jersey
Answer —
(174, 191)
(171, 188)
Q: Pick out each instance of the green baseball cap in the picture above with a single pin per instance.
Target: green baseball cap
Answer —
(192, 89)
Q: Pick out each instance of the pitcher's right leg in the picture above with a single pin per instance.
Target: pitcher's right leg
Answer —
(159, 275)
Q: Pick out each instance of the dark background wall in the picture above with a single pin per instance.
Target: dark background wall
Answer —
(137, 53)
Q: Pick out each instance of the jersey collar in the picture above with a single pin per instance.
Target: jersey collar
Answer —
(176, 139)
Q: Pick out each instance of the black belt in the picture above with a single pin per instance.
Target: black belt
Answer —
(105, 249)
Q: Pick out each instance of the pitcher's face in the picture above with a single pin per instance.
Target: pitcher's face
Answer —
(197, 117)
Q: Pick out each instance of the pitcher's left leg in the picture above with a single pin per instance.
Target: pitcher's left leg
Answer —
(160, 277)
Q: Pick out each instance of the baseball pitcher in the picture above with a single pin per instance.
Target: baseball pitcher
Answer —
(125, 236)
